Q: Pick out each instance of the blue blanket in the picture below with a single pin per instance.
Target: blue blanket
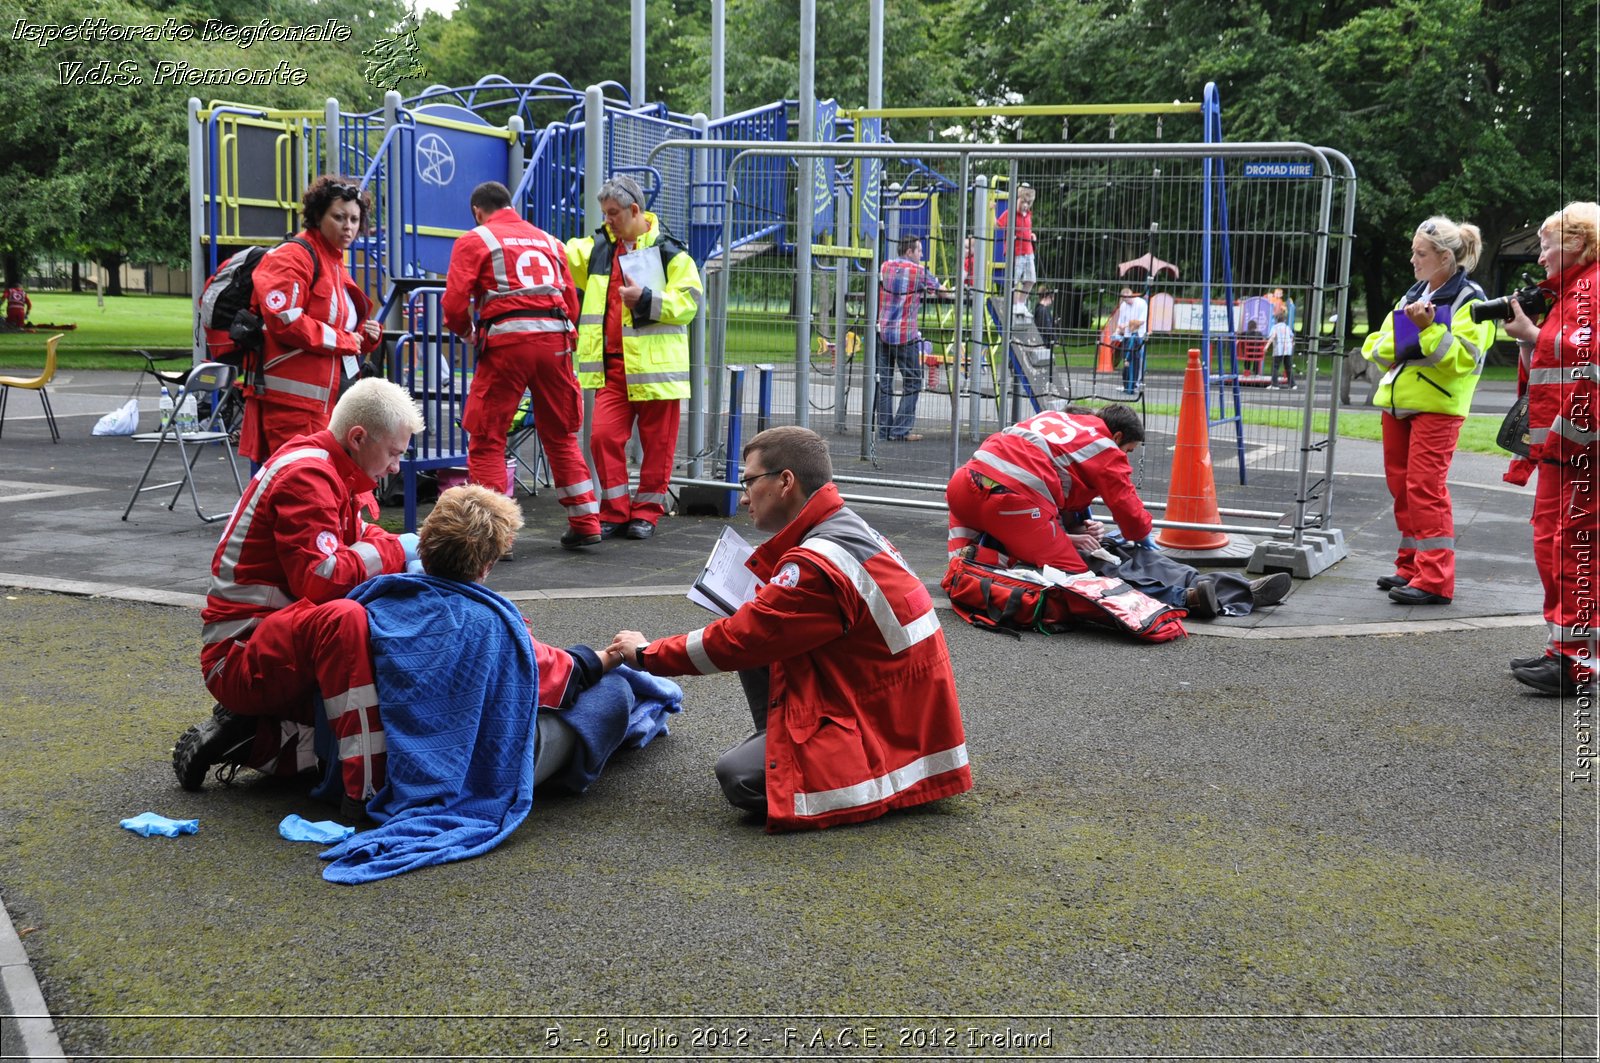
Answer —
(625, 708)
(457, 683)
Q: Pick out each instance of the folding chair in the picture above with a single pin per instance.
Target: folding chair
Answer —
(521, 435)
(207, 378)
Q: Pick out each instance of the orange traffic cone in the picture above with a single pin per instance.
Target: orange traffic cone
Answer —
(1192, 497)
(1103, 351)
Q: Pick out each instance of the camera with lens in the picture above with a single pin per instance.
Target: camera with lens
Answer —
(1533, 299)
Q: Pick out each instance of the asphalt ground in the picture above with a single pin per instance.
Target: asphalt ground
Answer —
(1333, 828)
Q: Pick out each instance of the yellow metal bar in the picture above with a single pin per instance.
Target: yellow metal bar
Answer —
(264, 115)
(451, 123)
(839, 251)
(229, 191)
(1023, 110)
(434, 230)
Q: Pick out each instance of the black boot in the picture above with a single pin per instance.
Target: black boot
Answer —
(223, 739)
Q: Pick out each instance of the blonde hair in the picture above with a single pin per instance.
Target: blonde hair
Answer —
(380, 406)
(1462, 241)
(1577, 225)
(470, 528)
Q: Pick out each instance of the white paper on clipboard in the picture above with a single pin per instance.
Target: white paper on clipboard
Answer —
(643, 267)
(725, 583)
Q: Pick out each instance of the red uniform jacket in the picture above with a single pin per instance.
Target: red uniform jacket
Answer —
(1563, 375)
(307, 332)
(519, 277)
(864, 715)
(1064, 461)
(297, 533)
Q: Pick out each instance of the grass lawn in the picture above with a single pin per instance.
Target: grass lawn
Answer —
(106, 336)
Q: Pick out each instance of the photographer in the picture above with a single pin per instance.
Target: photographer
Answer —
(1430, 352)
(1560, 377)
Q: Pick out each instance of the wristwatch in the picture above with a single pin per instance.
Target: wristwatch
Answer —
(638, 654)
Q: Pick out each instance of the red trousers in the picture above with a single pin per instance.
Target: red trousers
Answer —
(269, 425)
(544, 367)
(1566, 528)
(292, 655)
(614, 420)
(1029, 529)
(1416, 462)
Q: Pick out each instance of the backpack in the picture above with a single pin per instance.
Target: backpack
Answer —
(1021, 599)
(233, 330)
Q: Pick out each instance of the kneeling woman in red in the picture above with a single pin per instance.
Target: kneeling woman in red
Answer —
(1431, 354)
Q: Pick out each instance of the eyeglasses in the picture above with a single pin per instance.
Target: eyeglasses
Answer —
(746, 481)
(345, 191)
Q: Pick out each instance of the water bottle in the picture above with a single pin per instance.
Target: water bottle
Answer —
(189, 415)
(166, 406)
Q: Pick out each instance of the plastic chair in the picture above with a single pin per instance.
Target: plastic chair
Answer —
(39, 384)
(207, 378)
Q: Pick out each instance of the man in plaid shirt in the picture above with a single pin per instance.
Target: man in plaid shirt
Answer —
(902, 281)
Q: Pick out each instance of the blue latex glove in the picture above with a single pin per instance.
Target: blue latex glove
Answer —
(409, 541)
(147, 823)
(1148, 543)
(415, 567)
(323, 832)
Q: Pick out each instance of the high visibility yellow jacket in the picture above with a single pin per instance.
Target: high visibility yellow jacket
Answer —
(655, 333)
(1439, 370)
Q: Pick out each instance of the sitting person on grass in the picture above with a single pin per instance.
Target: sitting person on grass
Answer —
(442, 711)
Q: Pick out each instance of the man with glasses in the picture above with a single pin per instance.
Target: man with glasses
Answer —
(840, 654)
(633, 349)
(527, 309)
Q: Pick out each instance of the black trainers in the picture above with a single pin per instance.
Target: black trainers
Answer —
(639, 529)
(223, 739)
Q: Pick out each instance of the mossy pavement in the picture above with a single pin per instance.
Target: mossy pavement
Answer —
(1198, 848)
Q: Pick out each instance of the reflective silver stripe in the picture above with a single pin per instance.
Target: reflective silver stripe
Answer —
(363, 745)
(362, 697)
(614, 492)
(224, 630)
(1572, 433)
(883, 787)
(529, 324)
(959, 532)
(1016, 472)
(1429, 360)
(658, 498)
(330, 338)
(1590, 372)
(291, 315)
(592, 367)
(1407, 543)
(369, 554)
(655, 330)
(1438, 542)
(897, 636)
(264, 594)
(497, 257)
(591, 319)
(579, 488)
(1576, 633)
(222, 584)
(695, 646)
(581, 509)
(532, 289)
(372, 562)
(1538, 435)
(296, 387)
(1547, 376)
(659, 378)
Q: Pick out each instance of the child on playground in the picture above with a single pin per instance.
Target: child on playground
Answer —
(1281, 337)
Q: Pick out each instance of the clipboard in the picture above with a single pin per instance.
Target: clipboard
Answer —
(643, 267)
